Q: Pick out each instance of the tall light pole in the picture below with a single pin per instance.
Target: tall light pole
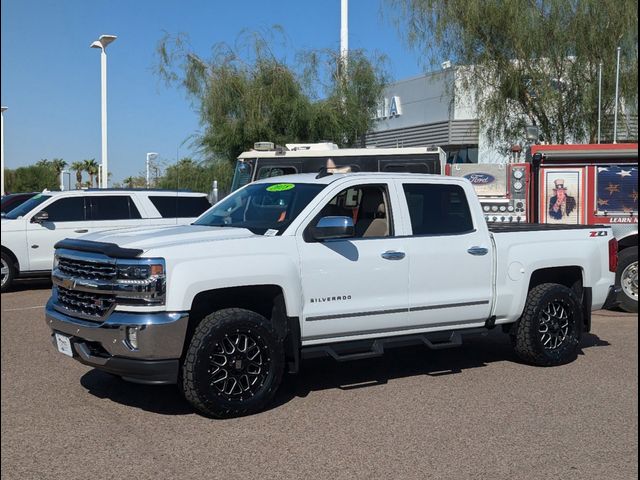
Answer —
(599, 99)
(615, 106)
(344, 34)
(102, 43)
(2, 147)
(150, 156)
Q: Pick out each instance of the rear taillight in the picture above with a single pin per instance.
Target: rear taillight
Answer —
(613, 255)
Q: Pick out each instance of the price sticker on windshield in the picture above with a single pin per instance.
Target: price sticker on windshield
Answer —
(280, 187)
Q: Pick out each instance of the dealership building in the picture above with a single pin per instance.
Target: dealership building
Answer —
(433, 109)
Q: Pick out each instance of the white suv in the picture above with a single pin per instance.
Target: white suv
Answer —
(30, 231)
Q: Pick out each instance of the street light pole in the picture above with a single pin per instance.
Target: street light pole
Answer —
(102, 43)
(615, 106)
(344, 34)
(2, 147)
(150, 156)
(599, 99)
(62, 174)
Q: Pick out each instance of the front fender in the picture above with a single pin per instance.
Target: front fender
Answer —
(191, 277)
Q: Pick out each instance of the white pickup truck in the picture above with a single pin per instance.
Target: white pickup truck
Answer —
(306, 265)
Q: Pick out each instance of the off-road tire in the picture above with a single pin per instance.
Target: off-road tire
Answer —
(625, 260)
(203, 359)
(527, 337)
(7, 262)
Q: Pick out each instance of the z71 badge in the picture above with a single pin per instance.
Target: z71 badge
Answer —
(601, 233)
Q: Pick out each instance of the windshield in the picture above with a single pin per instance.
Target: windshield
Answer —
(26, 207)
(242, 174)
(263, 208)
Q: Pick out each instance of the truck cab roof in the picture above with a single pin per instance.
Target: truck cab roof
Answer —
(326, 179)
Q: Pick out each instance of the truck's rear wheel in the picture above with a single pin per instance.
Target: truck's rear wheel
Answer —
(627, 279)
(233, 365)
(8, 272)
(549, 331)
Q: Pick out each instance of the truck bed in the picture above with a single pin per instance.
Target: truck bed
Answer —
(537, 227)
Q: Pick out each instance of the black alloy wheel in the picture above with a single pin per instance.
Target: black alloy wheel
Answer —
(238, 365)
(550, 328)
(234, 364)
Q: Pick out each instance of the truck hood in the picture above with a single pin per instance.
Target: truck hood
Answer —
(146, 238)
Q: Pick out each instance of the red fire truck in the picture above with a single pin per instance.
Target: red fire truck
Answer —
(570, 184)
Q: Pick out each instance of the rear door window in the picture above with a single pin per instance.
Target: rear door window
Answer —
(113, 207)
(180, 207)
(438, 209)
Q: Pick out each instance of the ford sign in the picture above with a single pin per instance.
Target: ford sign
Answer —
(480, 178)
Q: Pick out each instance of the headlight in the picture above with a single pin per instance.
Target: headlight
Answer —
(141, 281)
(138, 271)
(517, 185)
(518, 174)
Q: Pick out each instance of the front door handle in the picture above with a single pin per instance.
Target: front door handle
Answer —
(478, 251)
(392, 255)
(81, 230)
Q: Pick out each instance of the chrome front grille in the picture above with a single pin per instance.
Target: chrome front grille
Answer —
(88, 305)
(91, 285)
(87, 269)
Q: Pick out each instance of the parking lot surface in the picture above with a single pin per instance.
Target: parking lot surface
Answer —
(473, 412)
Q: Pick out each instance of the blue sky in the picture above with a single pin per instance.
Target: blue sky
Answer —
(51, 78)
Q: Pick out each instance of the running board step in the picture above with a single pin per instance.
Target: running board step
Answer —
(358, 350)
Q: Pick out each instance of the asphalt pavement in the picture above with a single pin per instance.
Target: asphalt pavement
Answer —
(473, 412)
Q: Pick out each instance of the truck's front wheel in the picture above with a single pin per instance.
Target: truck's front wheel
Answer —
(549, 331)
(234, 364)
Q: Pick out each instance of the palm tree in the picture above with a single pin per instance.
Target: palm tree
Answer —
(58, 165)
(91, 167)
(129, 182)
(78, 167)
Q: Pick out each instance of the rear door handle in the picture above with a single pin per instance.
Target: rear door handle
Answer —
(392, 255)
(81, 230)
(478, 251)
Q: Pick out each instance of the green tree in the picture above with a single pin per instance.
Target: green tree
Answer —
(257, 97)
(32, 178)
(532, 61)
(188, 174)
(78, 167)
(138, 181)
(91, 167)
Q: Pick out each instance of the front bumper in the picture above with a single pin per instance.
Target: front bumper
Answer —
(105, 345)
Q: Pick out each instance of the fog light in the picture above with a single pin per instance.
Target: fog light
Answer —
(132, 337)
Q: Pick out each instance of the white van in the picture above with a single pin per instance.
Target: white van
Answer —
(30, 231)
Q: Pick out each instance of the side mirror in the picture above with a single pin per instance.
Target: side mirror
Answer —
(329, 228)
(41, 216)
